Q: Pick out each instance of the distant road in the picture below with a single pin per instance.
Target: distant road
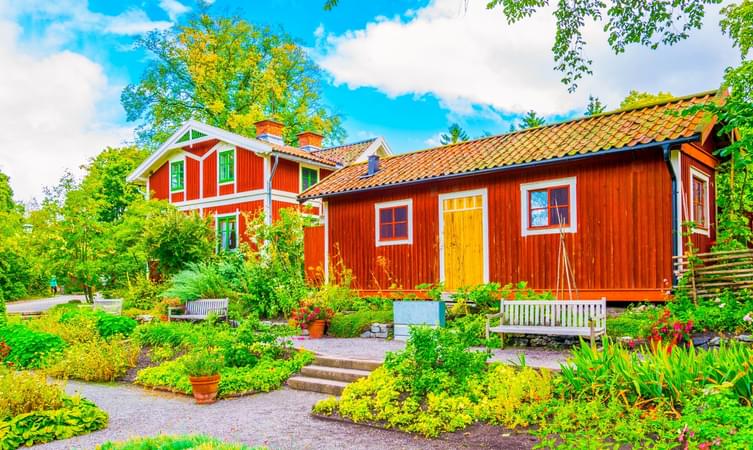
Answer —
(41, 304)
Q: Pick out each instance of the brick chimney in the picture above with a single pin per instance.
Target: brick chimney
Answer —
(270, 131)
(310, 141)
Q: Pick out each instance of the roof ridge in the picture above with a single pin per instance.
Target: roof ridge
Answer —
(555, 124)
(346, 145)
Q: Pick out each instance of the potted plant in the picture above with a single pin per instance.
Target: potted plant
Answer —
(203, 368)
(312, 317)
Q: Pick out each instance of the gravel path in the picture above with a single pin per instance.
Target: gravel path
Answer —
(375, 349)
(278, 420)
(40, 304)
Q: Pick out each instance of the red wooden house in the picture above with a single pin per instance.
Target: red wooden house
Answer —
(215, 172)
(616, 188)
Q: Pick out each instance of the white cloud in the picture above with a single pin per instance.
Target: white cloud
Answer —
(473, 57)
(173, 8)
(52, 116)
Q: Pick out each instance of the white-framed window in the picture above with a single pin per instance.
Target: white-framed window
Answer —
(548, 207)
(177, 174)
(227, 232)
(393, 222)
(309, 177)
(699, 201)
(226, 166)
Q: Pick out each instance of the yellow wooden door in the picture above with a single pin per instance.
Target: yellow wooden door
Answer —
(463, 237)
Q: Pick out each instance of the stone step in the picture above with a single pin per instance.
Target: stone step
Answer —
(347, 363)
(303, 383)
(334, 373)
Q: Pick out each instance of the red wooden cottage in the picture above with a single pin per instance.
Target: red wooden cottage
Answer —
(215, 172)
(615, 188)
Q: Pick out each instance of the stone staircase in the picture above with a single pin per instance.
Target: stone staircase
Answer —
(330, 374)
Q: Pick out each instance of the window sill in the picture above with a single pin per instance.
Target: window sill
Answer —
(545, 231)
(395, 242)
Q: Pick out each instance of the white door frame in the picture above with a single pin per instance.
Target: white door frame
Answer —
(484, 227)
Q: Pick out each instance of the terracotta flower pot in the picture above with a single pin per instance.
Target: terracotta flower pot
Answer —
(205, 388)
(316, 329)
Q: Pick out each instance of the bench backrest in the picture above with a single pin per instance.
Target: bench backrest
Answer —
(206, 306)
(554, 313)
(111, 305)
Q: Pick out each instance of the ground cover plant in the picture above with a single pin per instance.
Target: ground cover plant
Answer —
(250, 358)
(29, 348)
(173, 443)
(33, 411)
(609, 398)
(353, 324)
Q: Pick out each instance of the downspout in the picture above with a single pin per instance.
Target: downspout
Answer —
(673, 176)
(268, 219)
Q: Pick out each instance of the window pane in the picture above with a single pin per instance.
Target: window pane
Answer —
(539, 217)
(385, 232)
(538, 199)
(559, 196)
(401, 230)
(560, 216)
(401, 214)
(385, 215)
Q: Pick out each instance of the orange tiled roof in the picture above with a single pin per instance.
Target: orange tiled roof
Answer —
(607, 131)
(345, 154)
(294, 151)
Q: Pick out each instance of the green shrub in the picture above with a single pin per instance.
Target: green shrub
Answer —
(28, 348)
(436, 360)
(724, 313)
(3, 317)
(635, 322)
(109, 325)
(24, 392)
(473, 327)
(98, 360)
(76, 416)
(142, 294)
(202, 363)
(167, 334)
(173, 443)
(200, 280)
(352, 325)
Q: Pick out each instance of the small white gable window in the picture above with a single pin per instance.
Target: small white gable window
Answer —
(548, 207)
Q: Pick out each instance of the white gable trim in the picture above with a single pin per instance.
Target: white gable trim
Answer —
(372, 149)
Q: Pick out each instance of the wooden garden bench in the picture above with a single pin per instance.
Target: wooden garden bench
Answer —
(199, 309)
(111, 306)
(550, 317)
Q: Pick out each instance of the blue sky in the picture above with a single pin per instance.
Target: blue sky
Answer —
(401, 69)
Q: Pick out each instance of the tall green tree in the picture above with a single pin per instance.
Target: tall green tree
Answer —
(531, 120)
(454, 135)
(6, 194)
(595, 106)
(229, 73)
(636, 99)
(105, 180)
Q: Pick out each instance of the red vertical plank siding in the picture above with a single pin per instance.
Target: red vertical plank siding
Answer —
(210, 175)
(313, 253)
(176, 197)
(278, 205)
(250, 170)
(243, 209)
(324, 173)
(159, 183)
(202, 148)
(701, 242)
(226, 189)
(623, 240)
(286, 176)
(193, 178)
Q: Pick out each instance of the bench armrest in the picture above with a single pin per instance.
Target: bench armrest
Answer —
(489, 318)
(492, 316)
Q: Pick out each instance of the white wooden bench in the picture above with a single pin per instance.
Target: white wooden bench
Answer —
(109, 305)
(550, 317)
(199, 309)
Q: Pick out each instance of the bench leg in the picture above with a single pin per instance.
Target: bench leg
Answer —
(593, 337)
(502, 340)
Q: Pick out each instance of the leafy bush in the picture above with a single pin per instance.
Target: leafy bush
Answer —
(635, 321)
(436, 360)
(76, 416)
(28, 348)
(177, 239)
(141, 293)
(202, 363)
(3, 317)
(200, 280)
(265, 376)
(109, 325)
(24, 392)
(352, 325)
(167, 334)
(731, 311)
(473, 327)
(97, 360)
(173, 443)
